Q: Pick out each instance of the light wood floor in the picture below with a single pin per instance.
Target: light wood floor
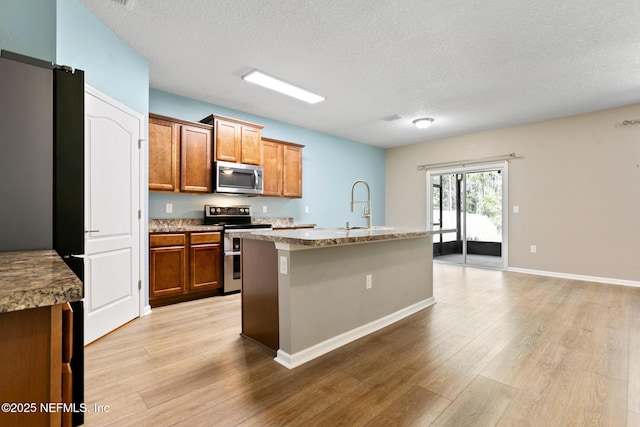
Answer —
(498, 348)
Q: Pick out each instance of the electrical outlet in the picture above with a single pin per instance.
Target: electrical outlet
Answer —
(516, 209)
(306, 209)
(264, 208)
(284, 267)
(533, 249)
(168, 208)
(368, 281)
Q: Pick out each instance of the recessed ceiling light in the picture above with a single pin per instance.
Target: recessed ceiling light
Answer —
(262, 79)
(423, 123)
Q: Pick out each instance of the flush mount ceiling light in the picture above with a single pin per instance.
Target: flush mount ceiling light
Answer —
(423, 123)
(262, 79)
(126, 3)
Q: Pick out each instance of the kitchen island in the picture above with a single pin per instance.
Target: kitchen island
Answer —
(307, 292)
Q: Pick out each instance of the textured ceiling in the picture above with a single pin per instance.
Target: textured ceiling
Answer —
(470, 65)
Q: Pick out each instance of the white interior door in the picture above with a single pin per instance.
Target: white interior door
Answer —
(112, 206)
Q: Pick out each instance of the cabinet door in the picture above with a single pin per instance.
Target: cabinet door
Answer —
(31, 364)
(272, 168)
(195, 159)
(251, 145)
(67, 354)
(205, 267)
(227, 136)
(163, 155)
(292, 171)
(167, 271)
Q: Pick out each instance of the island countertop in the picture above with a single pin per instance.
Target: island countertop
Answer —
(31, 279)
(321, 237)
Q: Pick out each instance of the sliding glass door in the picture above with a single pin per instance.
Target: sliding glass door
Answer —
(471, 202)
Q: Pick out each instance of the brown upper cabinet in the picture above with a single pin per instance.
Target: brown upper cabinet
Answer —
(282, 165)
(180, 155)
(236, 141)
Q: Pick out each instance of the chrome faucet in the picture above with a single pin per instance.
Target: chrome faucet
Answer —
(366, 210)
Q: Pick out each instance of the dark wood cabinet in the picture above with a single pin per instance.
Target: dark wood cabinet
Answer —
(167, 262)
(282, 165)
(205, 264)
(184, 266)
(180, 155)
(195, 159)
(164, 139)
(272, 167)
(235, 140)
(35, 367)
(251, 145)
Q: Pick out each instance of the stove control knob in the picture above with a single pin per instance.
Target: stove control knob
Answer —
(218, 210)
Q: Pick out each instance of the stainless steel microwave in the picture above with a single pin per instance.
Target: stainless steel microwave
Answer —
(237, 178)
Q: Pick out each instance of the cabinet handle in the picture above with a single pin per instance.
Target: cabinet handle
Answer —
(91, 231)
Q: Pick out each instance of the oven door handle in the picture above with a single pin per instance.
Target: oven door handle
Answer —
(231, 253)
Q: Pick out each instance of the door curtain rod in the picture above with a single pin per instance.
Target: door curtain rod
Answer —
(463, 163)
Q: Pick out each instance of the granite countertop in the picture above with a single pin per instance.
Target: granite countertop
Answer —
(30, 279)
(281, 223)
(180, 225)
(320, 237)
(293, 226)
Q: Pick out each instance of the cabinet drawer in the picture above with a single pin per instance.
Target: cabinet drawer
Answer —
(201, 238)
(158, 240)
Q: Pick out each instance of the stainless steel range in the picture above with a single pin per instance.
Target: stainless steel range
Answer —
(233, 218)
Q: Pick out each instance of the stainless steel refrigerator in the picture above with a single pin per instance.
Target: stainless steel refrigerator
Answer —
(42, 172)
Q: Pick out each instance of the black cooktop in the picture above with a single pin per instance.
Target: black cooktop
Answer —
(231, 217)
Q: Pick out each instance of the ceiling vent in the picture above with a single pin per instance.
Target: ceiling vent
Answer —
(128, 4)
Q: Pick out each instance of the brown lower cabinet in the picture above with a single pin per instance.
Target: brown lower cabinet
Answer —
(184, 266)
(35, 351)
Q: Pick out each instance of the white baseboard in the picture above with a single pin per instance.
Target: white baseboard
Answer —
(291, 361)
(595, 279)
(146, 311)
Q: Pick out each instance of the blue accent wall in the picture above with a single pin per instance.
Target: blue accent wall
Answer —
(109, 63)
(28, 27)
(111, 66)
(330, 166)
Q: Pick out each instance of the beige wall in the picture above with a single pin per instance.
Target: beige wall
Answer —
(578, 189)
